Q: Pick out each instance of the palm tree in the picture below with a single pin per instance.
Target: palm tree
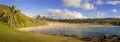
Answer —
(13, 17)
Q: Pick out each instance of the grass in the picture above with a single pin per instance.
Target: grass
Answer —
(32, 24)
(11, 35)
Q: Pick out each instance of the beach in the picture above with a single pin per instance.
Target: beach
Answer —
(60, 25)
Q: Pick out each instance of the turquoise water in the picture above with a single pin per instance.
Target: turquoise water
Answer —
(82, 32)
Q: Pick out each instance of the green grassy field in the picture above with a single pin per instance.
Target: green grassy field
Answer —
(10, 35)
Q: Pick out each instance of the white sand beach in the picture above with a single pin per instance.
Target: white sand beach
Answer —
(61, 25)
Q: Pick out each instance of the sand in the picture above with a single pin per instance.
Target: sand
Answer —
(60, 25)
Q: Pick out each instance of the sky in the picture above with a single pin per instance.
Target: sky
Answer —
(67, 9)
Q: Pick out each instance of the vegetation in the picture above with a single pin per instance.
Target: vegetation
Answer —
(11, 17)
(106, 38)
(11, 35)
(102, 21)
(15, 19)
(38, 17)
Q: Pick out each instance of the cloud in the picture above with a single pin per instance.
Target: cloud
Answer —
(114, 10)
(113, 2)
(100, 15)
(72, 3)
(117, 16)
(79, 4)
(62, 14)
(29, 14)
(88, 6)
(99, 2)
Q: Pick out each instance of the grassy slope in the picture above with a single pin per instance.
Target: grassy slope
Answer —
(3, 7)
(10, 35)
(29, 21)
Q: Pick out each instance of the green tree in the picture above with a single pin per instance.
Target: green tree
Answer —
(13, 17)
(44, 18)
(38, 17)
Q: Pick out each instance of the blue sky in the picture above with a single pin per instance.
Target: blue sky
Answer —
(67, 8)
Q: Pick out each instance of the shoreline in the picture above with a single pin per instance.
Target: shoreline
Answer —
(62, 25)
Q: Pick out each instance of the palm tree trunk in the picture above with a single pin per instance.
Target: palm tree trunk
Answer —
(11, 22)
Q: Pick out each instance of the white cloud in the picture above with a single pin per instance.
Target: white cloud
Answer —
(88, 6)
(99, 2)
(113, 2)
(29, 14)
(114, 10)
(100, 15)
(62, 14)
(72, 3)
(79, 4)
(117, 16)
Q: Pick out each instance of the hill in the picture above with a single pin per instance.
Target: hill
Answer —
(3, 7)
(10, 16)
(15, 19)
